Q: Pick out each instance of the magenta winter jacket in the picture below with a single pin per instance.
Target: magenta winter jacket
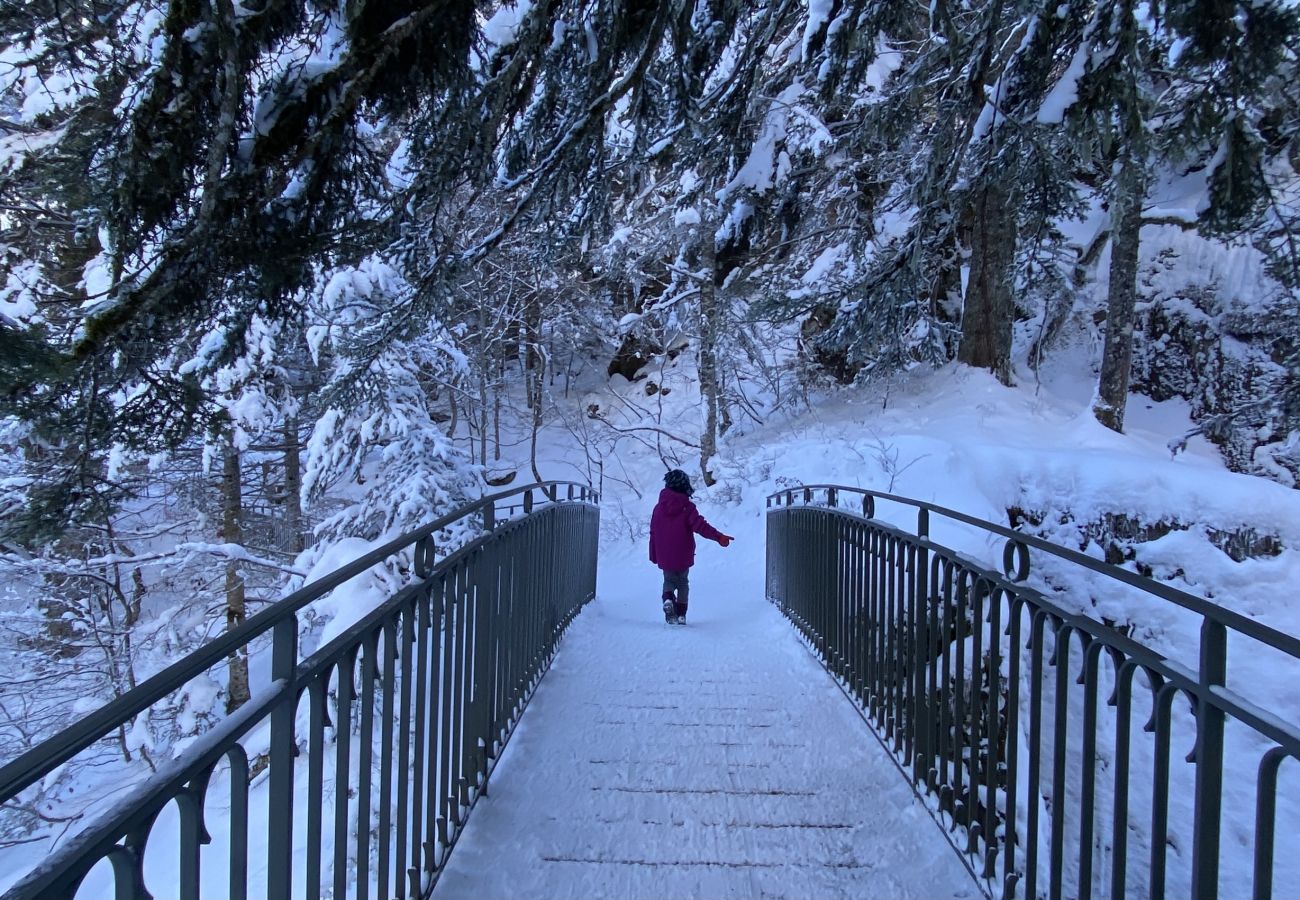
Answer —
(673, 526)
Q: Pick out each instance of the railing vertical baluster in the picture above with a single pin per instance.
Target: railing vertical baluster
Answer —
(404, 765)
(127, 876)
(284, 665)
(858, 614)
(388, 702)
(455, 667)
(978, 707)
(1060, 709)
(346, 668)
(822, 572)
(974, 721)
(421, 824)
(1037, 638)
(238, 760)
(920, 754)
(460, 695)
(961, 802)
(450, 615)
(1266, 822)
(489, 589)
(459, 786)
(880, 617)
(993, 730)
(365, 756)
(1010, 817)
(1160, 790)
(1210, 721)
(434, 824)
(315, 786)
(1123, 748)
(190, 808)
(906, 634)
(896, 587)
(512, 638)
(482, 667)
(950, 633)
(1088, 768)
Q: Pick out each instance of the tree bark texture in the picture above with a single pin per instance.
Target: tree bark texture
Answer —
(1128, 191)
(231, 533)
(1117, 355)
(293, 487)
(708, 361)
(989, 309)
(535, 376)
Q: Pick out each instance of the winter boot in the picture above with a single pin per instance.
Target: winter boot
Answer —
(680, 610)
(670, 611)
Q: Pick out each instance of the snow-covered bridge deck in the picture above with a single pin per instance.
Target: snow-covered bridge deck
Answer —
(717, 759)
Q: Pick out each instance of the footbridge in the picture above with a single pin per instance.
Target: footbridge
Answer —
(955, 712)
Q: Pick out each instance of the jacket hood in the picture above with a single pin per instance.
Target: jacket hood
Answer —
(673, 501)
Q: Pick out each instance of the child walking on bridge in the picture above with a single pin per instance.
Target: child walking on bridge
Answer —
(673, 526)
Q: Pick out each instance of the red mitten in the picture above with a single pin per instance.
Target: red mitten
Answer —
(725, 540)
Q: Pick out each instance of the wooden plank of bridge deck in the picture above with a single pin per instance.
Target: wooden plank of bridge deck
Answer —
(715, 759)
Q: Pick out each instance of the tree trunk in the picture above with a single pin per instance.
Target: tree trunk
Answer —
(293, 487)
(484, 373)
(1117, 356)
(535, 377)
(455, 410)
(497, 386)
(1128, 192)
(231, 533)
(708, 363)
(989, 309)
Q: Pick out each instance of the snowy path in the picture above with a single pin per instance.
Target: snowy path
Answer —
(711, 760)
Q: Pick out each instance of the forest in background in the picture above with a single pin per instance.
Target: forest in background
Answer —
(274, 277)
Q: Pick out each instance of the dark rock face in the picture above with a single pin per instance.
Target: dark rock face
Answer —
(1228, 364)
(632, 355)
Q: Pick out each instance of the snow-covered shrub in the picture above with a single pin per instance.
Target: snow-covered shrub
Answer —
(1224, 354)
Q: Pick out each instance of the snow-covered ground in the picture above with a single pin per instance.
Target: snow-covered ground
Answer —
(715, 759)
(958, 438)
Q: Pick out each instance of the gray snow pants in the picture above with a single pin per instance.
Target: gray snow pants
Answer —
(677, 589)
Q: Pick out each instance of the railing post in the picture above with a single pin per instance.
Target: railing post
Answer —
(1210, 720)
(921, 729)
(489, 515)
(425, 552)
(284, 665)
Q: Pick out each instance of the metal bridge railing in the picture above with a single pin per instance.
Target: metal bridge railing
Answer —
(379, 742)
(990, 693)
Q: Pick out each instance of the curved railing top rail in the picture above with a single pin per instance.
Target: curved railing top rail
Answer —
(30, 767)
(1015, 556)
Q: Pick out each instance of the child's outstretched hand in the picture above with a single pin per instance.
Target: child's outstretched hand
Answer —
(725, 540)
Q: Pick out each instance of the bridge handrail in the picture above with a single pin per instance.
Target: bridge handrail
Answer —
(1230, 618)
(28, 768)
(985, 687)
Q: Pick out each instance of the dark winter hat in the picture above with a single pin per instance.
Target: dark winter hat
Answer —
(679, 481)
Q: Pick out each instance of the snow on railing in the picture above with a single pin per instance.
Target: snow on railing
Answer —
(365, 756)
(987, 682)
